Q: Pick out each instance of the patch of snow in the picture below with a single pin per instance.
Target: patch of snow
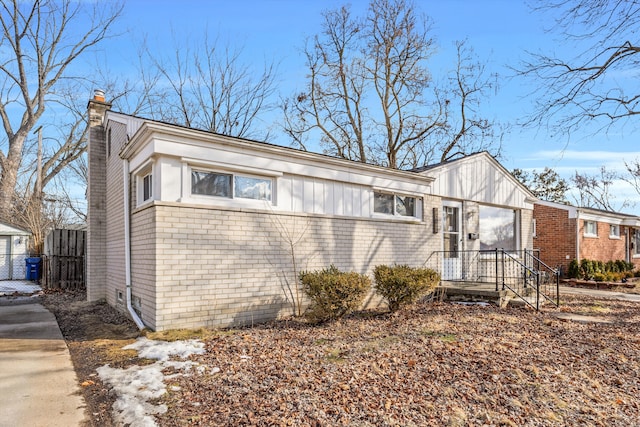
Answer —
(136, 385)
(163, 350)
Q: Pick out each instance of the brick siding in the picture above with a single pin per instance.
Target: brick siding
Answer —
(216, 267)
(555, 236)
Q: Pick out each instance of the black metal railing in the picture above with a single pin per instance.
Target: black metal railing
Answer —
(522, 272)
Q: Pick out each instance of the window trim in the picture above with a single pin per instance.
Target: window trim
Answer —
(147, 187)
(146, 169)
(635, 252)
(586, 233)
(396, 195)
(232, 190)
(615, 235)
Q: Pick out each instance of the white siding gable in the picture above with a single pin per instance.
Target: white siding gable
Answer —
(479, 178)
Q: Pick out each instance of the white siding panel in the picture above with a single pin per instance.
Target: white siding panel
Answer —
(284, 193)
(348, 197)
(307, 195)
(318, 196)
(329, 208)
(479, 180)
(338, 198)
(297, 190)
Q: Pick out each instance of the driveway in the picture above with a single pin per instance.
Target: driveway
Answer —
(37, 382)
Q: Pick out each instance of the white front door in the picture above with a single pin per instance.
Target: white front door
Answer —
(452, 240)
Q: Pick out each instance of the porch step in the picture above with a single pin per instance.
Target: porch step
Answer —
(482, 292)
(474, 292)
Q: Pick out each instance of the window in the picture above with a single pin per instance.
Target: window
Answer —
(252, 188)
(497, 228)
(591, 228)
(230, 186)
(405, 206)
(394, 204)
(383, 203)
(614, 231)
(147, 187)
(635, 243)
(211, 184)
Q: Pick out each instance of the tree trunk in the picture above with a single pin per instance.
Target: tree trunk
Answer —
(9, 175)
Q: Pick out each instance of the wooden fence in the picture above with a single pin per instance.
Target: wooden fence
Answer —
(63, 265)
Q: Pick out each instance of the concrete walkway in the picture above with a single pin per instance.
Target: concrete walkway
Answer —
(600, 293)
(38, 386)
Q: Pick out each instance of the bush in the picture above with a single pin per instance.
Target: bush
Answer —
(612, 267)
(402, 285)
(574, 269)
(599, 270)
(586, 268)
(333, 293)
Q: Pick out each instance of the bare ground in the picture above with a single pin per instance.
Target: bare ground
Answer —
(434, 364)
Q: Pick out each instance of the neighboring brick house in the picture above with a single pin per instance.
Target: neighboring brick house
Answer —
(188, 228)
(564, 232)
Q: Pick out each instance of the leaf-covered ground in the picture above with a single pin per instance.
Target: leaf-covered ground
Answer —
(436, 364)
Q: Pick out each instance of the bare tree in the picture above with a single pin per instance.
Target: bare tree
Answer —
(208, 87)
(40, 40)
(586, 88)
(632, 174)
(466, 130)
(370, 95)
(595, 191)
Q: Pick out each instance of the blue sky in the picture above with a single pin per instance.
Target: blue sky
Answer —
(500, 31)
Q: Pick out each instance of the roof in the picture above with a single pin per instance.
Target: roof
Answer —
(9, 230)
(149, 126)
(593, 213)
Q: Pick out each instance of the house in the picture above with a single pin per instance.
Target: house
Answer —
(484, 208)
(188, 228)
(14, 244)
(564, 233)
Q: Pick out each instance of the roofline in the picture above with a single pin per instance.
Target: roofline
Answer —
(149, 128)
(574, 210)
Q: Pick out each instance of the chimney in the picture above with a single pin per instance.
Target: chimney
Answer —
(96, 251)
(98, 95)
(97, 107)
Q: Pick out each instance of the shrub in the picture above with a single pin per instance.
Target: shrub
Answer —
(599, 277)
(624, 265)
(586, 268)
(574, 269)
(402, 285)
(333, 293)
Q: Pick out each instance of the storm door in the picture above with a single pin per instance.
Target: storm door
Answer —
(452, 239)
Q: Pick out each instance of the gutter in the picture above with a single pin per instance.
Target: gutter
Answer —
(578, 235)
(127, 245)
